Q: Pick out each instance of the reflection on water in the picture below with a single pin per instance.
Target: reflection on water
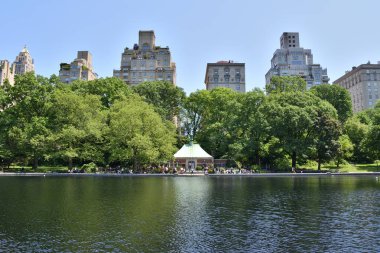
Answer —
(195, 214)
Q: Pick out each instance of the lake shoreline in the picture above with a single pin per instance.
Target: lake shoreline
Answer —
(53, 174)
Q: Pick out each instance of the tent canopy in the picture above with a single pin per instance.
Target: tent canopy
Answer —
(192, 150)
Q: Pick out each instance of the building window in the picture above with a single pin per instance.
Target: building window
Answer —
(216, 78)
(227, 77)
(145, 47)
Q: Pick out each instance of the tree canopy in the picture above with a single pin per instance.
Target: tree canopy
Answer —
(107, 123)
(337, 96)
(285, 84)
(138, 135)
(166, 98)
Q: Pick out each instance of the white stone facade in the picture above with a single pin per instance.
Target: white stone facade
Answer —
(363, 83)
(146, 62)
(24, 62)
(293, 60)
(80, 69)
(225, 74)
(7, 72)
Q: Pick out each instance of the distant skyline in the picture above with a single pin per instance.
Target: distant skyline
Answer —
(341, 34)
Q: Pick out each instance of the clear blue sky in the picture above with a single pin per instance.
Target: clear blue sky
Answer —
(341, 33)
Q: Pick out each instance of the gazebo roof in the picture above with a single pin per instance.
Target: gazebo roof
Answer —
(191, 150)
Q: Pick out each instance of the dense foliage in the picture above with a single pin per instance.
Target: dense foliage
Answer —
(100, 122)
(106, 123)
(286, 128)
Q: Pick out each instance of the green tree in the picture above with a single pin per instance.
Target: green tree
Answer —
(138, 135)
(164, 96)
(167, 100)
(345, 150)
(285, 84)
(336, 95)
(194, 109)
(218, 125)
(273, 154)
(251, 129)
(78, 124)
(326, 132)
(291, 118)
(108, 89)
(24, 121)
(372, 141)
(357, 130)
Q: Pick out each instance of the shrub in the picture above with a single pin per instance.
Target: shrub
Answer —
(89, 167)
(282, 164)
(255, 167)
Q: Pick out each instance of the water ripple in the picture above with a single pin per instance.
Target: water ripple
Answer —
(190, 215)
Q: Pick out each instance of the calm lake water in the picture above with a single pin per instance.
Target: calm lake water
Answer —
(190, 214)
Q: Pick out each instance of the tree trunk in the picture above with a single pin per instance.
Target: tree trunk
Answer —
(70, 163)
(35, 163)
(319, 164)
(135, 164)
(294, 159)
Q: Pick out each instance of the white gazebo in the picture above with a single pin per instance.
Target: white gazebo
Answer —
(190, 155)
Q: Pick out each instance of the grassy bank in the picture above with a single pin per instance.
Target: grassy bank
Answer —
(353, 168)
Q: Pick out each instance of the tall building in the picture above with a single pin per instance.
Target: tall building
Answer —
(24, 62)
(146, 62)
(293, 60)
(225, 74)
(7, 72)
(79, 69)
(363, 83)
